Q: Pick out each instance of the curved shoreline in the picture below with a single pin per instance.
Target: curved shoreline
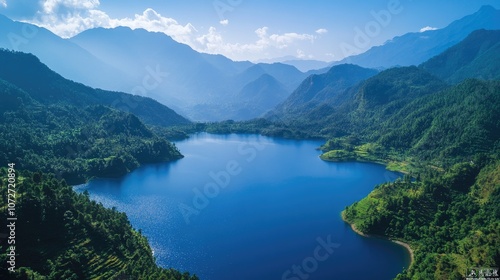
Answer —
(401, 243)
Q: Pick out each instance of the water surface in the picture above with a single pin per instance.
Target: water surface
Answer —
(254, 208)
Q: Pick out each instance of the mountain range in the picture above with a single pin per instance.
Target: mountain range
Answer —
(347, 90)
(435, 116)
(478, 56)
(203, 86)
(424, 45)
(27, 73)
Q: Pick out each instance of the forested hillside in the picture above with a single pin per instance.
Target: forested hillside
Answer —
(77, 143)
(64, 133)
(450, 218)
(64, 235)
(478, 56)
(26, 72)
(445, 135)
(448, 140)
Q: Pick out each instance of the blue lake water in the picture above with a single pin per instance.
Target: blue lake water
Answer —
(249, 207)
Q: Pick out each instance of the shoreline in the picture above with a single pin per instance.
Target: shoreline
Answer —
(381, 162)
(401, 243)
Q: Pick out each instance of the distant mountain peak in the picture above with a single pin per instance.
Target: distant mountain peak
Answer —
(414, 48)
(487, 8)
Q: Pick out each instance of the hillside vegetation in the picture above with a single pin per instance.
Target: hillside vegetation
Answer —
(64, 235)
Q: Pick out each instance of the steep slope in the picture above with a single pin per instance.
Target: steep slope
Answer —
(449, 214)
(260, 95)
(305, 65)
(450, 219)
(226, 65)
(202, 86)
(287, 75)
(63, 56)
(415, 48)
(76, 142)
(324, 89)
(180, 75)
(66, 235)
(47, 87)
(477, 56)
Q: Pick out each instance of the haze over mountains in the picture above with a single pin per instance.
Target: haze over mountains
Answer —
(28, 74)
(349, 91)
(434, 113)
(202, 86)
(424, 45)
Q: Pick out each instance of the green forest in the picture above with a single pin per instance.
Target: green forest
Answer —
(439, 123)
(59, 133)
(85, 240)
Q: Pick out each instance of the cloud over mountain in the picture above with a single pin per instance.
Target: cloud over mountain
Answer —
(68, 18)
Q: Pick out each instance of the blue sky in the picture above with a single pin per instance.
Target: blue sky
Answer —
(251, 29)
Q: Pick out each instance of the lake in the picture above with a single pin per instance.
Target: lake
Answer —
(249, 207)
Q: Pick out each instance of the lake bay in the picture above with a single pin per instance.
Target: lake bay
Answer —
(253, 207)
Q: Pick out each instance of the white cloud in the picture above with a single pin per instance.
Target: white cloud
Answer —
(427, 28)
(67, 18)
(51, 6)
(81, 15)
(283, 40)
(212, 42)
(153, 21)
(321, 31)
(3, 3)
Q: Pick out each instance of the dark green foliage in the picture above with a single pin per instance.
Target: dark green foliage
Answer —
(317, 90)
(446, 137)
(47, 87)
(477, 56)
(452, 124)
(64, 235)
(76, 143)
(56, 126)
(451, 219)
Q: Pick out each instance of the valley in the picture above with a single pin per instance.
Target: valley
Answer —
(138, 156)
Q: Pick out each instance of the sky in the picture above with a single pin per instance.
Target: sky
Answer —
(252, 29)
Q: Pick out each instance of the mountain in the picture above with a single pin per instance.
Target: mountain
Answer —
(287, 75)
(304, 65)
(317, 90)
(226, 65)
(448, 142)
(144, 63)
(477, 56)
(372, 101)
(417, 47)
(63, 56)
(26, 72)
(446, 138)
(202, 86)
(260, 95)
(163, 69)
(76, 142)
